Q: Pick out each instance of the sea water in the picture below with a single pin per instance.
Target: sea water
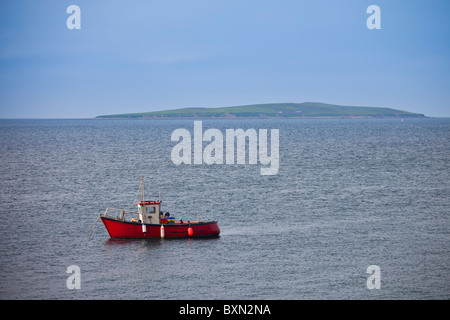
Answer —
(349, 194)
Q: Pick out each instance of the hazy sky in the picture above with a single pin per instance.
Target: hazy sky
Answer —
(136, 56)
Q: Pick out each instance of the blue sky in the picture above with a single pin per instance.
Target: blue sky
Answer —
(137, 56)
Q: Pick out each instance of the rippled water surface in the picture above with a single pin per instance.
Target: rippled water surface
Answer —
(349, 194)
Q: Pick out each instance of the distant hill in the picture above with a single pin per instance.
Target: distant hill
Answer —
(271, 110)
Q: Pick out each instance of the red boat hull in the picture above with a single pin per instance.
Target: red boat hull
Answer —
(125, 229)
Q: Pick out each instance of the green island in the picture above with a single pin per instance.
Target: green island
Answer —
(272, 110)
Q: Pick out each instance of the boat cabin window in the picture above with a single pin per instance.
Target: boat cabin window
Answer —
(151, 209)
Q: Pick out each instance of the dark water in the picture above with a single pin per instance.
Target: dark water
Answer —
(349, 194)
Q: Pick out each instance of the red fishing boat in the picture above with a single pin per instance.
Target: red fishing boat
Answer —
(151, 222)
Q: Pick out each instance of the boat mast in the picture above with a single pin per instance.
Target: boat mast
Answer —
(143, 210)
(142, 184)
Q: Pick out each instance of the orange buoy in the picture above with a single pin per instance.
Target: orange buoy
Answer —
(190, 231)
